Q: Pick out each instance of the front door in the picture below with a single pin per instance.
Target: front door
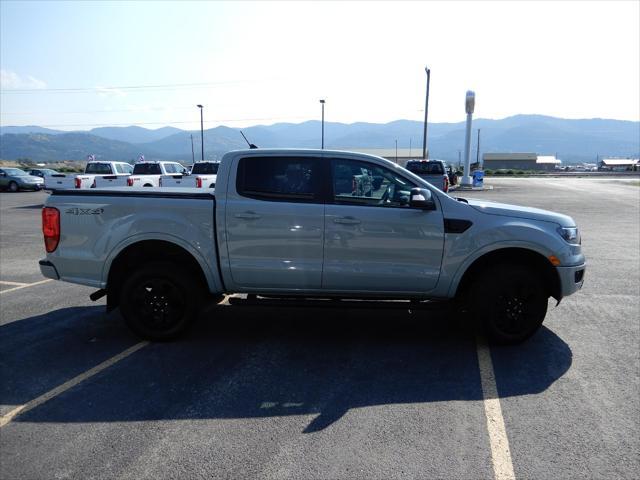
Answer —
(373, 241)
(275, 224)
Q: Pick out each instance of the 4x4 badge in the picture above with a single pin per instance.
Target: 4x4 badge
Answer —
(84, 211)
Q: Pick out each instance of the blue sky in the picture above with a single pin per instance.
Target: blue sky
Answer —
(267, 62)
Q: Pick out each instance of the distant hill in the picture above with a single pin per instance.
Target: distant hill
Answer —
(64, 146)
(29, 129)
(572, 140)
(134, 134)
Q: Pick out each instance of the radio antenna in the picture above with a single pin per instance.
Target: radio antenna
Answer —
(251, 145)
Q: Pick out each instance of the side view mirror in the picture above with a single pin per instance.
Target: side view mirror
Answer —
(421, 198)
(185, 172)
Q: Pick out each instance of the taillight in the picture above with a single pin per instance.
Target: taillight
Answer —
(51, 228)
(446, 184)
(198, 182)
(78, 182)
(130, 182)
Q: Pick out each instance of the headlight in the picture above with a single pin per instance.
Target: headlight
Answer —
(571, 235)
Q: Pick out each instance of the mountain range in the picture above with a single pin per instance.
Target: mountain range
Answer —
(572, 140)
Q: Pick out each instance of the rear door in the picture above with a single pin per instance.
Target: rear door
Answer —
(373, 241)
(275, 223)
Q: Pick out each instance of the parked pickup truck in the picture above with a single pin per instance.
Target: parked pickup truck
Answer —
(92, 172)
(284, 222)
(203, 175)
(433, 171)
(147, 174)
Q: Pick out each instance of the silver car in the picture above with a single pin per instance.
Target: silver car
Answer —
(14, 179)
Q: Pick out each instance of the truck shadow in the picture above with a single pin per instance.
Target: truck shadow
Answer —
(252, 362)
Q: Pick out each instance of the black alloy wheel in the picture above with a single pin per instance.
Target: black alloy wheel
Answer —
(160, 300)
(510, 301)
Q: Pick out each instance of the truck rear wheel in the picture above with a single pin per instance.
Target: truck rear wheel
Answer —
(159, 301)
(510, 301)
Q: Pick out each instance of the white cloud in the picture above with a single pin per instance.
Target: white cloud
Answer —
(10, 80)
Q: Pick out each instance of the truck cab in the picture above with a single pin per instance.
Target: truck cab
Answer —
(148, 174)
(202, 175)
(93, 176)
(432, 171)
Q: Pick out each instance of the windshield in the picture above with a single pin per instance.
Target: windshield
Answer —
(205, 168)
(15, 172)
(99, 168)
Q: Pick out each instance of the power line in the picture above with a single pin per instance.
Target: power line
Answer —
(100, 89)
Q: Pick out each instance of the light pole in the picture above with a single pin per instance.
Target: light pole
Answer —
(478, 150)
(201, 130)
(426, 115)
(396, 151)
(469, 105)
(193, 155)
(322, 103)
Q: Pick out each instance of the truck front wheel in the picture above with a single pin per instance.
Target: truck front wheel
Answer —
(160, 300)
(510, 301)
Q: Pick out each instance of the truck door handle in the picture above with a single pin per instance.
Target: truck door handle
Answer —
(347, 220)
(248, 216)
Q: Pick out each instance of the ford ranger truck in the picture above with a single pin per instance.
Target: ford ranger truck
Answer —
(287, 222)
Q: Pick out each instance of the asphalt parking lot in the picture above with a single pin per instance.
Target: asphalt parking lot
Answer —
(326, 393)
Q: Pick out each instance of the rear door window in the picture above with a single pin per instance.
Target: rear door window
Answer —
(123, 168)
(279, 178)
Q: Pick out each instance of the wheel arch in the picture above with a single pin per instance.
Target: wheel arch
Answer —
(144, 251)
(513, 255)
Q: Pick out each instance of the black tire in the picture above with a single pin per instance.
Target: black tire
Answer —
(13, 187)
(160, 300)
(510, 301)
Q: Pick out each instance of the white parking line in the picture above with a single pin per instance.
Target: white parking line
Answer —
(19, 284)
(24, 285)
(500, 453)
(4, 419)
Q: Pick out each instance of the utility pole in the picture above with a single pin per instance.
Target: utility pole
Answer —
(201, 130)
(322, 102)
(193, 155)
(426, 116)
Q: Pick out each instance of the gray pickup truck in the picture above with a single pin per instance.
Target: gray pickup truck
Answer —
(287, 222)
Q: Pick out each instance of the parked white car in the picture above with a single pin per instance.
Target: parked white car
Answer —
(147, 174)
